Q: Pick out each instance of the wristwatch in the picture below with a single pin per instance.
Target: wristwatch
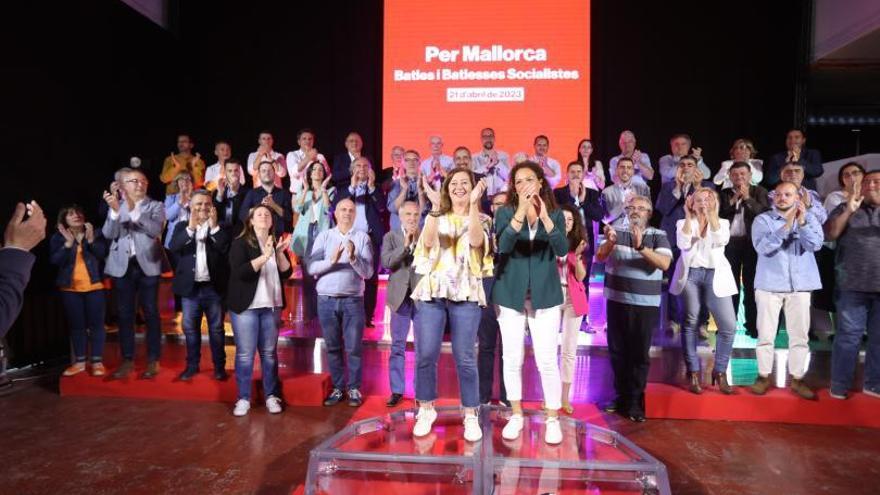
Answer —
(641, 248)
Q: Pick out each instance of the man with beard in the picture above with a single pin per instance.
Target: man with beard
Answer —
(183, 161)
(615, 197)
(785, 239)
(492, 164)
(268, 193)
(635, 259)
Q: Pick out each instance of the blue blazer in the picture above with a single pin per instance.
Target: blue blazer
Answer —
(216, 250)
(15, 272)
(65, 258)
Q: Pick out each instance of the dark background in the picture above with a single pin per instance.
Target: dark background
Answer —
(88, 84)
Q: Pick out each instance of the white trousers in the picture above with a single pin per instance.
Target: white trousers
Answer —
(543, 327)
(571, 326)
(796, 306)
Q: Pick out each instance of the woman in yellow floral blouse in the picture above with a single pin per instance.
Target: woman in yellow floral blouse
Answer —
(453, 253)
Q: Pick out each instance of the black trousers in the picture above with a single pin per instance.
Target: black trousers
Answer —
(489, 346)
(744, 260)
(371, 287)
(630, 329)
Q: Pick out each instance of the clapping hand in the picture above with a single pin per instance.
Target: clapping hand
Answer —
(112, 201)
(610, 234)
(90, 232)
(581, 247)
(432, 194)
(338, 254)
(350, 249)
(25, 234)
(282, 244)
(477, 192)
(69, 239)
(637, 235)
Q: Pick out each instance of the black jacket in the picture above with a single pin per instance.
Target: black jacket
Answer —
(591, 209)
(756, 204)
(233, 221)
(184, 246)
(64, 258)
(242, 277)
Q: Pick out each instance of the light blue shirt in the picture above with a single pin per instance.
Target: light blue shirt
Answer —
(786, 259)
(669, 167)
(360, 209)
(346, 276)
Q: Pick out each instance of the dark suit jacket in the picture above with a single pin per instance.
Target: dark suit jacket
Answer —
(242, 277)
(216, 249)
(397, 257)
(756, 204)
(233, 221)
(64, 258)
(672, 209)
(281, 196)
(591, 208)
(342, 170)
(374, 204)
(15, 272)
(525, 266)
(811, 160)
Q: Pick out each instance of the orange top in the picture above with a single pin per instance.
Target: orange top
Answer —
(81, 281)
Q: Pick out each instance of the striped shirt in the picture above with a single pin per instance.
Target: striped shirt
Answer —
(629, 278)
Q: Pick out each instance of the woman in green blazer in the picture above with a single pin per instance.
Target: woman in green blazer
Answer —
(531, 235)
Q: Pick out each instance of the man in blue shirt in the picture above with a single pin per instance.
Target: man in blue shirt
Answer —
(785, 239)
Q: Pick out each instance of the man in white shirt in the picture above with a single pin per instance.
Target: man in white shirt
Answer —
(643, 169)
(680, 145)
(492, 164)
(266, 153)
(551, 167)
(298, 160)
(435, 166)
(200, 280)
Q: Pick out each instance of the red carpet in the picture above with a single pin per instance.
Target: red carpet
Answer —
(298, 389)
(778, 406)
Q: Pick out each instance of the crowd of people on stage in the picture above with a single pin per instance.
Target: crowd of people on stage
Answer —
(490, 247)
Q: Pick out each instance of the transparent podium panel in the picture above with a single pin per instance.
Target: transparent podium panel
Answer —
(381, 456)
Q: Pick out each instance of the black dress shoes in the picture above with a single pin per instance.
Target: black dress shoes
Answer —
(394, 400)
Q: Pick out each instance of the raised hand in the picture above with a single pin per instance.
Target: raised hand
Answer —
(282, 244)
(69, 239)
(581, 247)
(112, 201)
(326, 182)
(371, 178)
(350, 249)
(806, 199)
(269, 247)
(432, 194)
(855, 201)
(338, 254)
(610, 234)
(25, 234)
(637, 235)
(697, 152)
(697, 178)
(212, 217)
(90, 233)
(477, 192)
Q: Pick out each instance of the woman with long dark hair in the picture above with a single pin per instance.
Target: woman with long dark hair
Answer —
(78, 250)
(531, 236)
(313, 206)
(572, 271)
(259, 265)
(594, 173)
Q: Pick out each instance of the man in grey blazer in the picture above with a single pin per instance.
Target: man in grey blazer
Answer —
(134, 225)
(397, 255)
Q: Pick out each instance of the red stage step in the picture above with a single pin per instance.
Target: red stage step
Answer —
(777, 406)
(297, 388)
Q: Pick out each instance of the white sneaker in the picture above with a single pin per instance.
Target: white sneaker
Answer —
(472, 430)
(424, 421)
(513, 427)
(273, 404)
(552, 431)
(242, 406)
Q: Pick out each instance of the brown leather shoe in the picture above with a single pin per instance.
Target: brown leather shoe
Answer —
(762, 383)
(123, 370)
(720, 379)
(694, 379)
(801, 389)
(152, 370)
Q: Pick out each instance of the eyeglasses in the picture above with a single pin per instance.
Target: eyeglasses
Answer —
(640, 209)
(135, 181)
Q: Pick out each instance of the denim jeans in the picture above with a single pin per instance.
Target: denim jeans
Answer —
(203, 299)
(464, 319)
(400, 320)
(309, 293)
(147, 289)
(698, 296)
(85, 310)
(857, 312)
(256, 330)
(342, 324)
